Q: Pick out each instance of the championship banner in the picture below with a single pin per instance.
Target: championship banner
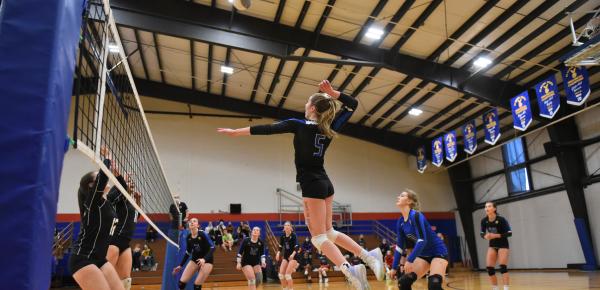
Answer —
(521, 111)
(421, 160)
(577, 85)
(437, 151)
(492, 126)
(450, 145)
(470, 136)
(548, 97)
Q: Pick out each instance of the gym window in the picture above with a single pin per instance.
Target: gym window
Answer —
(517, 172)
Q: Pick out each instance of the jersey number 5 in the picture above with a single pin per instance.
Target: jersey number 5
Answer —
(114, 226)
(319, 145)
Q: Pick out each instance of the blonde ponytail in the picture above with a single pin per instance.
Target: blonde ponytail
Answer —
(326, 107)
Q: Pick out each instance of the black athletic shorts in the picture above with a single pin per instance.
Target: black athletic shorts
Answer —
(319, 188)
(209, 261)
(76, 262)
(501, 243)
(120, 242)
(430, 258)
(250, 262)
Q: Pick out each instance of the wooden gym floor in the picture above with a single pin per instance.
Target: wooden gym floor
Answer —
(520, 280)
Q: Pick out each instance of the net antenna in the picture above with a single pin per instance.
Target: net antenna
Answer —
(108, 112)
(587, 51)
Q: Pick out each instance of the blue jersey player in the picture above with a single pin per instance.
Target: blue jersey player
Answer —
(429, 252)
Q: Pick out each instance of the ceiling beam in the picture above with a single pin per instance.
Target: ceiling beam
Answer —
(385, 99)
(511, 32)
(199, 22)
(370, 19)
(531, 36)
(395, 19)
(261, 69)
(160, 67)
(141, 49)
(420, 21)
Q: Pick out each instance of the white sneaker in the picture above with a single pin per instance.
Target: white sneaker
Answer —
(375, 261)
(357, 276)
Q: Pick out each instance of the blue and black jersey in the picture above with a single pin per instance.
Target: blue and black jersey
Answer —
(498, 226)
(198, 247)
(288, 245)
(417, 229)
(309, 143)
(251, 253)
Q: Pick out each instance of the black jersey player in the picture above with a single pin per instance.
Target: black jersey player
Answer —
(119, 251)
(312, 137)
(251, 258)
(288, 251)
(200, 248)
(88, 262)
(496, 230)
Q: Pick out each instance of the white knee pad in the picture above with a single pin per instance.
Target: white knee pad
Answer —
(288, 277)
(281, 276)
(251, 282)
(126, 283)
(332, 234)
(319, 240)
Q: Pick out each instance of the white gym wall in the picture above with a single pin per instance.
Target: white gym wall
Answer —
(210, 171)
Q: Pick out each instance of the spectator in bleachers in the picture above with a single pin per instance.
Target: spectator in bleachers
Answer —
(389, 260)
(230, 228)
(218, 236)
(147, 258)
(246, 230)
(323, 268)
(208, 228)
(361, 241)
(136, 256)
(307, 246)
(306, 264)
(227, 241)
(150, 234)
(384, 246)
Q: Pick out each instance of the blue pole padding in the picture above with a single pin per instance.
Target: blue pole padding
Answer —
(38, 45)
(586, 245)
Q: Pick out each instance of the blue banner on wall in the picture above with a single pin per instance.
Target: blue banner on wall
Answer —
(450, 145)
(437, 149)
(492, 126)
(577, 85)
(548, 97)
(470, 136)
(521, 111)
(421, 160)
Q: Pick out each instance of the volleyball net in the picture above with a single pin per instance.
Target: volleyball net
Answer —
(108, 113)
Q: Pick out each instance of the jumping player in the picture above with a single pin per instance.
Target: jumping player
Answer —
(200, 248)
(429, 253)
(496, 230)
(251, 258)
(312, 137)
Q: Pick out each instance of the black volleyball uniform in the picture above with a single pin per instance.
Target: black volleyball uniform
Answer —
(288, 245)
(310, 146)
(251, 253)
(98, 223)
(199, 247)
(126, 214)
(498, 226)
